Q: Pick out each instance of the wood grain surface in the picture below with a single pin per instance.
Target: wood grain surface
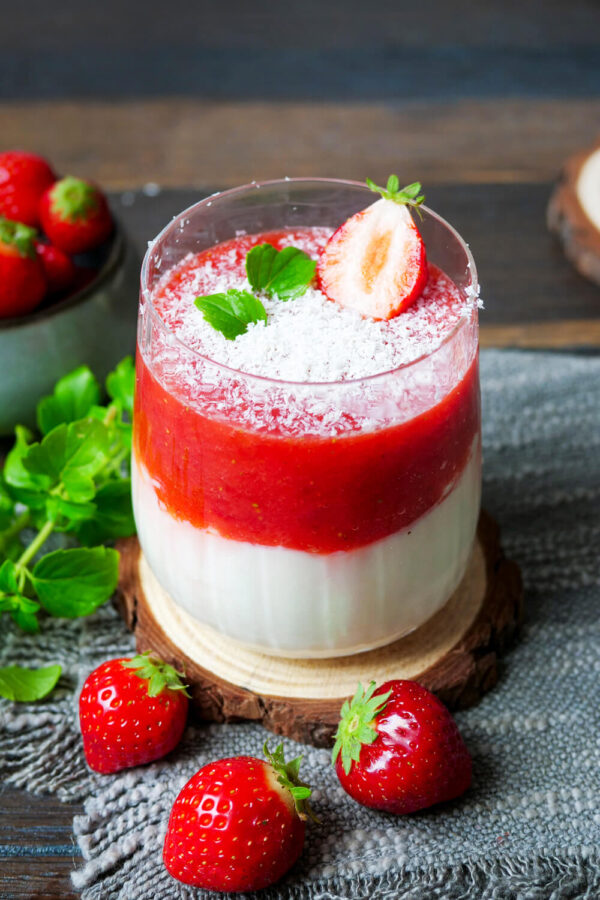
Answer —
(179, 141)
(37, 847)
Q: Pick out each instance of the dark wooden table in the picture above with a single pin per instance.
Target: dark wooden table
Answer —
(480, 101)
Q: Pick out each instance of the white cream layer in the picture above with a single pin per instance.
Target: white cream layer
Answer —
(295, 603)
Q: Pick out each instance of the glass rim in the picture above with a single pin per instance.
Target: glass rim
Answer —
(146, 292)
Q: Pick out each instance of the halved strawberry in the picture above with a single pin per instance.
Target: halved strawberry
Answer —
(375, 262)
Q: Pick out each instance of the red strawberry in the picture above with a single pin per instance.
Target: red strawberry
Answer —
(238, 824)
(375, 262)
(59, 268)
(22, 280)
(398, 749)
(131, 711)
(75, 215)
(23, 179)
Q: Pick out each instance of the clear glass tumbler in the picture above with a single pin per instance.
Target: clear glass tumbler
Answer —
(344, 537)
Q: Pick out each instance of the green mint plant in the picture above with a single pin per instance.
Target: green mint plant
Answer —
(74, 479)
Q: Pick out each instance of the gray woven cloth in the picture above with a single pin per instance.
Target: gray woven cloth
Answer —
(530, 825)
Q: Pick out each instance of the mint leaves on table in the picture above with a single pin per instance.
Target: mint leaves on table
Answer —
(285, 274)
(231, 312)
(74, 479)
(27, 685)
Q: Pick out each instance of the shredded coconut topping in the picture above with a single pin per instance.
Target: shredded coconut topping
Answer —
(310, 338)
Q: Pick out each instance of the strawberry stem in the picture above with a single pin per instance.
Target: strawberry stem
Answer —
(288, 777)
(356, 724)
(407, 196)
(73, 198)
(19, 236)
(159, 675)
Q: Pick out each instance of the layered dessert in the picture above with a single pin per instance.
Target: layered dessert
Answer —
(306, 457)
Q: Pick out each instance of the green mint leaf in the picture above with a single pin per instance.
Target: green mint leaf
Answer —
(10, 546)
(73, 583)
(72, 451)
(73, 397)
(8, 577)
(22, 610)
(120, 383)
(285, 273)
(17, 476)
(27, 685)
(231, 312)
(113, 517)
(78, 487)
(7, 507)
(67, 515)
(46, 458)
(26, 621)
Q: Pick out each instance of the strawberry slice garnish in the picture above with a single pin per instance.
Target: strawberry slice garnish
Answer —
(398, 749)
(375, 262)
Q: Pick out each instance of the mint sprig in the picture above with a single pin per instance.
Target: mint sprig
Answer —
(231, 312)
(74, 479)
(285, 274)
(408, 196)
(27, 685)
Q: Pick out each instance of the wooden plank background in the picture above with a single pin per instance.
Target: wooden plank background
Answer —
(480, 101)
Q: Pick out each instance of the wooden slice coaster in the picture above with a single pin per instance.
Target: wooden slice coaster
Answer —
(574, 211)
(453, 654)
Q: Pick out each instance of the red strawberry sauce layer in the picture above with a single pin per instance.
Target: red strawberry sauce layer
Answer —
(306, 491)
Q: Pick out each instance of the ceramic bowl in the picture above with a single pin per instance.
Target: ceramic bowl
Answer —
(94, 326)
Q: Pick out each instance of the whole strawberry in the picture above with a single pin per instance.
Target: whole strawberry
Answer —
(75, 215)
(238, 824)
(22, 280)
(398, 749)
(58, 267)
(23, 179)
(131, 712)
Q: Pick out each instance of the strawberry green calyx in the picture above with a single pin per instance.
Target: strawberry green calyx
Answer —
(73, 199)
(158, 674)
(356, 724)
(408, 196)
(19, 236)
(288, 777)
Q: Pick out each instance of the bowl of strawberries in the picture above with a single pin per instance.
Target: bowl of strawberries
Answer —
(68, 283)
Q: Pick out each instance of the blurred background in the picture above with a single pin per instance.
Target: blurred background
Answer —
(204, 93)
(481, 101)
